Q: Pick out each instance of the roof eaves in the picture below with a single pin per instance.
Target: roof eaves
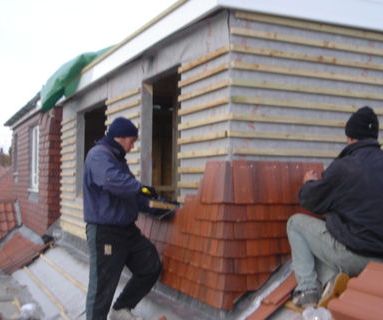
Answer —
(23, 111)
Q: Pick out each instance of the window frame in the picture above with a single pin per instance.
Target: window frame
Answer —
(35, 157)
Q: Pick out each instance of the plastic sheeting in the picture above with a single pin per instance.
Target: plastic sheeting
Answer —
(65, 80)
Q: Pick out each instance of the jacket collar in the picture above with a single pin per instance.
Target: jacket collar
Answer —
(113, 146)
(365, 143)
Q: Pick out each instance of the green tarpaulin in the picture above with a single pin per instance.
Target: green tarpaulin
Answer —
(65, 80)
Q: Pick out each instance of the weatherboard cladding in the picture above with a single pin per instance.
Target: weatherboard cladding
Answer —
(260, 88)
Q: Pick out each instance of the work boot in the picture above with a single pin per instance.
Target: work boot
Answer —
(333, 289)
(306, 298)
(122, 314)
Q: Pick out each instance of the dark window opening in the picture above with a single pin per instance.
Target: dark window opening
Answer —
(164, 135)
(94, 127)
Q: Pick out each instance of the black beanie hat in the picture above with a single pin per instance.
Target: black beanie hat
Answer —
(122, 127)
(363, 124)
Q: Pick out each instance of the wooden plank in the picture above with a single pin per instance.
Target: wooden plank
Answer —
(204, 74)
(67, 189)
(124, 95)
(68, 180)
(288, 152)
(68, 141)
(262, 118)
(68, 135)
(69, 165)
(201, 138)
(307, 25)
(133, 161)
(68, 157)
(64, 196)
(203, 153)
(307, 89)
(72, 213)
(203, 106)
(69, 120)
(188, 184)
(287, 120)
(67, 149)
(56, 302)
(123, 107)
(286, 136)
(68, 126)
(294, 55)
(203, 122)
(204, 90)
(203, 59)
(333, 76)
(73, 229)
(72, 205)
(64, 273)
(191, 170)
(161, 205)
(296, 104)
(275, 36)
(131, 116)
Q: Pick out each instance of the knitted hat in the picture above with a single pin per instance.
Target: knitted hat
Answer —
(122, 127)
(363, 124)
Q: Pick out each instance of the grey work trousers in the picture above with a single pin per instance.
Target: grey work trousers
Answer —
(316, 255)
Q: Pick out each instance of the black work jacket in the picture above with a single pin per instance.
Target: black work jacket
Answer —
(350, 193)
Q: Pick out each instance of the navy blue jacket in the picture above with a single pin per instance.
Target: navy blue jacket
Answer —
(350, 193)
(110, 190)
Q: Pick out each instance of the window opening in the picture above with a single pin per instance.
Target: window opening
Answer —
(94, 127)
(164, 134)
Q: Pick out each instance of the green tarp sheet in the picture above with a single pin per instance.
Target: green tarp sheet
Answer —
(65, 80)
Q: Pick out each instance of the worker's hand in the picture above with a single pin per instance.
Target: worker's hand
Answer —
(149, 191)
(310, 176)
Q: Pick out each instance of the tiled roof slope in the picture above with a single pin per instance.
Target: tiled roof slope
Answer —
(7, 186)
(8, 219)
(363, 298)
(18, 252)
(230, 236)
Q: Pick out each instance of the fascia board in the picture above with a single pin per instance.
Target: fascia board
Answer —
(364, 14)
(190, 12)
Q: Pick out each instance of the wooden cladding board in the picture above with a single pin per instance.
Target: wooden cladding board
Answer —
(231, 100)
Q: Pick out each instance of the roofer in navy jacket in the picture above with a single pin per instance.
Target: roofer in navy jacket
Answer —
(349, 195)
(111, 203)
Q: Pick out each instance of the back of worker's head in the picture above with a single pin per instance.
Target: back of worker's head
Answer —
(121, 128)
(363, 124)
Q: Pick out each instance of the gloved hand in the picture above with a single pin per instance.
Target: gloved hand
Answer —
(149, 192)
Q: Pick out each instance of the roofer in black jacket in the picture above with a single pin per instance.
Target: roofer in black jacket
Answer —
(349, 195)
(112, 200)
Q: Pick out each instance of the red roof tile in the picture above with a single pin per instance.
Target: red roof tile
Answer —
(275, 299)
(18, 252)
(363, 298)
(8, 219)
(230, 236)
(7, 186)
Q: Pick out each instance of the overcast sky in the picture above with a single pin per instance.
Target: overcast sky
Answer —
(38, 36)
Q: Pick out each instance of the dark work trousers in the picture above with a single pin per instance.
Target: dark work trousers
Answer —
(110, 249)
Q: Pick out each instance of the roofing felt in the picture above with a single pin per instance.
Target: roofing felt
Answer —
(18, 252)
(226, 241)
(363, 298)
(8, 220)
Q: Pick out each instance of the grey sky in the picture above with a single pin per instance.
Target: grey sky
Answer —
(37, 37)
